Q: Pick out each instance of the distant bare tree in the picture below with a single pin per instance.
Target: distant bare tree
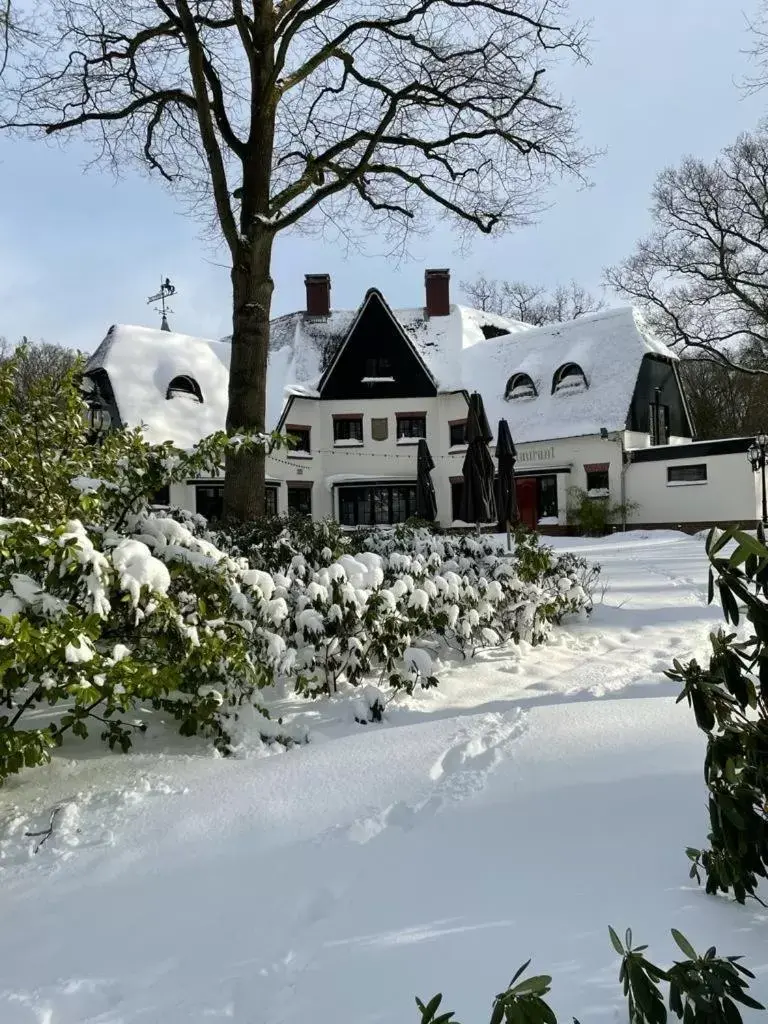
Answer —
(38, 361)
(723, 402)
(758, 51)
(701, 276)
(273, 113)
(529, 303)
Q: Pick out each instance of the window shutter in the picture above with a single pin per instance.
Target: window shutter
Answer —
(380, 428)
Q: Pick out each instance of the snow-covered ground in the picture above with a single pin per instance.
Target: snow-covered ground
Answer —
(517, 811)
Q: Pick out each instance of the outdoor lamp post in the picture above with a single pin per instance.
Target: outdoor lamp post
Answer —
(98, 421)
(757, 455)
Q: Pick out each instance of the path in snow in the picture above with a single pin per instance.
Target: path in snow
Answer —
(517, 811)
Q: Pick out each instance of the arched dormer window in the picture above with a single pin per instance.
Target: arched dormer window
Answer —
(184, 387)
(520, 385)
(569, 378)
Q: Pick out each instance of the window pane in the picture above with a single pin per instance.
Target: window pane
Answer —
(210, 501)
(399, 504)
(301, 439)
(411, 499)
(597, 480)
(381, 513)
(347, 507)
(348, 430)
(687, 474)
(270, 502)
(411, 426)
(363, 508)
(547, 496)
(300, 501)
(458, 434)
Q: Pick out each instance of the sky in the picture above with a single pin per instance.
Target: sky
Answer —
(80, 251)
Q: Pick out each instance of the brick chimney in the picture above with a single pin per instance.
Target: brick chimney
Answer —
(318, 294)
(436, 285)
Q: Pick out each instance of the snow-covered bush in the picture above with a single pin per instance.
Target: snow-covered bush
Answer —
(272, 542)
(405, 594)
(108, 611)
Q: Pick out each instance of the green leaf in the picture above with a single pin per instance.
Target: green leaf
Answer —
(538, 983)
(498, 1012)
(684, 944)
(429, 1011)
(616, 941)
(518, 972)
(729, 603)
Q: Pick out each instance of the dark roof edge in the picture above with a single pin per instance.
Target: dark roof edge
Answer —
(690, 450)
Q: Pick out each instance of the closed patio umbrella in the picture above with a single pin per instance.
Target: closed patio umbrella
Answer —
(426, 503)
(478, 502)
(506, 454)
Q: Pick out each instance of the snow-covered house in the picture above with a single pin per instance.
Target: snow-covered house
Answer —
(595, 403)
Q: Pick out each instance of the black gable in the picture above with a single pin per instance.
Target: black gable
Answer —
(658, 380)
(376, 360)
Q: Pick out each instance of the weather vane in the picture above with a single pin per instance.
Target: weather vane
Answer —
(166, 290)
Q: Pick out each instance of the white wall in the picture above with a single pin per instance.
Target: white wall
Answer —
(730, 493)
(387, 460)
(573, 453)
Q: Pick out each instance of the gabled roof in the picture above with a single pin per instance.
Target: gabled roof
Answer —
(607, 346)
(373, 295)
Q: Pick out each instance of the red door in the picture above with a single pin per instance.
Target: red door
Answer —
(526, 502)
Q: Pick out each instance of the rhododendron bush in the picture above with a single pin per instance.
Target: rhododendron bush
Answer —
(109, 613)
(378, 606)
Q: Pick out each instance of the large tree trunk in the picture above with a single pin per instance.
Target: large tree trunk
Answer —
(252, 294)
(252, 283)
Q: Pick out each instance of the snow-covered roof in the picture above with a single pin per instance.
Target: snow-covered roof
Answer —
(142, 361)
(459, 350)
(607, 346)
(442, 341)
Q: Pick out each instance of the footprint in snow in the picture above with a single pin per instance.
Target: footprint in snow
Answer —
(458, 774)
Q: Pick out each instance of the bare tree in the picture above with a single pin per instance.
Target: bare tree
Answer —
(701, 276)
(269, 114)
(724, 402)
(530, 303)
(758, 51)
(37, 361)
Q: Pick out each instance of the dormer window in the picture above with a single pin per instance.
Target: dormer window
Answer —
(520, 385)
(569, 378)
(378, 370)
(184, 387)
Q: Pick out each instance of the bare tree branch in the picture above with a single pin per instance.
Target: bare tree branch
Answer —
(701, 277)
(531, 304)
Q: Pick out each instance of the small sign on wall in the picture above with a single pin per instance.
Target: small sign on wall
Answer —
(544, 454)
(379, 428)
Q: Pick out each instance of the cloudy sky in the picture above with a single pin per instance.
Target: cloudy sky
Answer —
(79, 252)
